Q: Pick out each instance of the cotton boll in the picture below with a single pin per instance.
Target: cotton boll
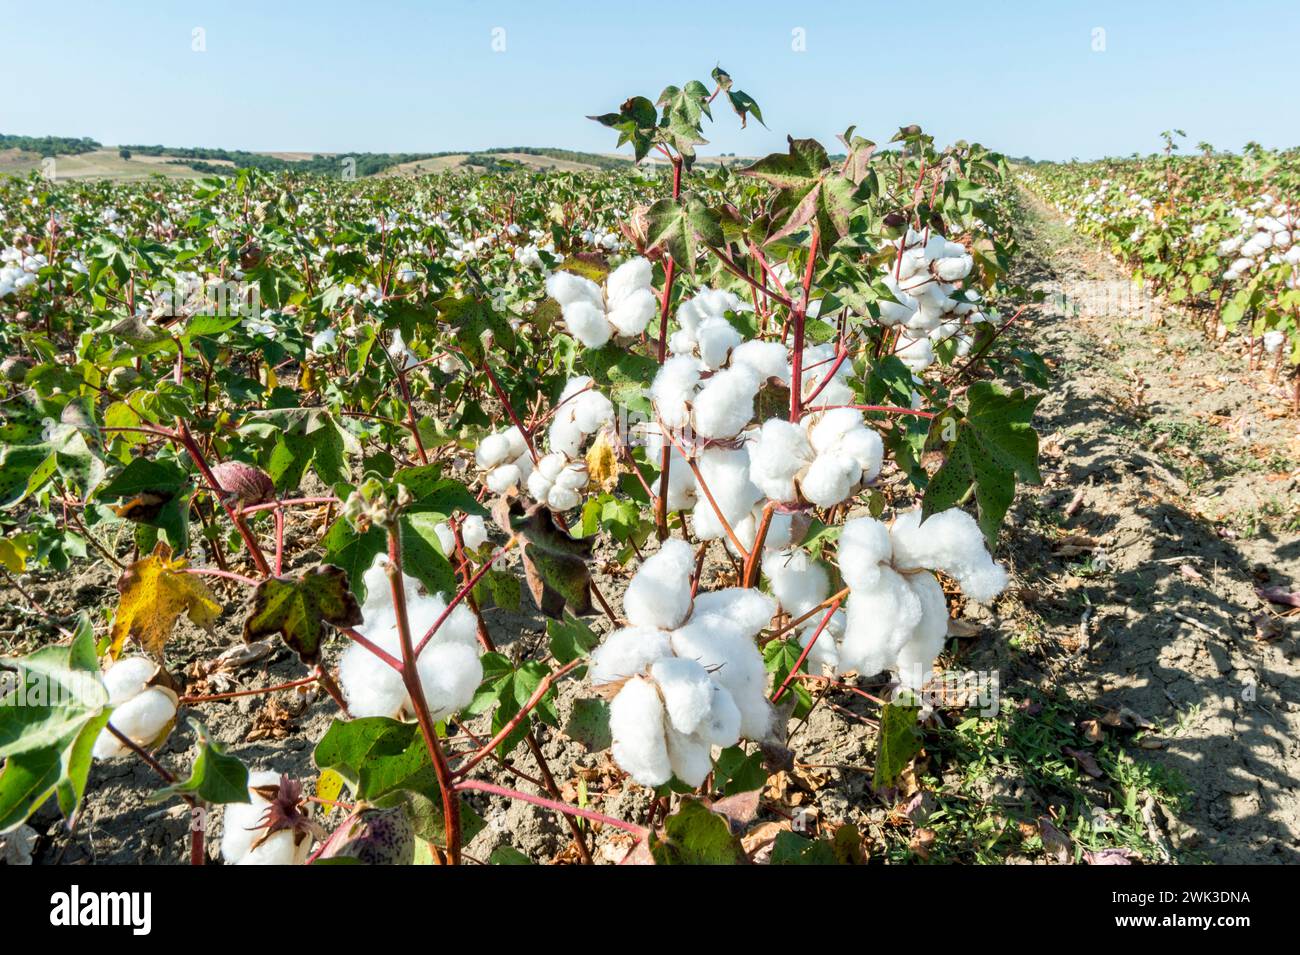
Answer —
(629, 278)
(769, 359)
(798, 582)
(626, 653)
(683, 491)
(127, 678)
(473, 532)
(551, 465)
(950, 541)
(916, 354)
(725, 405)
(747, 609)
(569, 289)
(449, 672)
(280, 849)
(242, 821)
(726, 473)
(446, 538)
(492, 450)
(659, 595)
(562, 499)
(894, 313)
(716, 338)
(733, 662)
(776, 457)
(830, 479)
(954, 269)
(691, 758)
(880, 622)
(504, 478)
(686, 690)
(573, 477)
(636, 723)
(825, 654)
(829, 427)
(565, 436)
(515, 439)
(587, 323)
(863, 548)
(592, 411)
(370, 686)
(143, 719)
(631, 315)
(722, 726)
(673, 387)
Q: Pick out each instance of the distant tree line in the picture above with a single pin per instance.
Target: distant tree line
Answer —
(49, 145)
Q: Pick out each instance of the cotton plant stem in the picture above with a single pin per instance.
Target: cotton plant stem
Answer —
(800, 316)
(411, 679)
(754, 562)
(510, 410)
(495, 790)
(186, 440)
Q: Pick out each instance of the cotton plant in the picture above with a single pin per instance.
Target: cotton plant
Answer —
(594, 314)
(449, 667)
(473, 534)
(272, 828)
(896, 616)
(505, 459)
(685, 675)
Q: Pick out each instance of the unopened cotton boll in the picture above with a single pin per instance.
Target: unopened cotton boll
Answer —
(725, 405)
(659, 594)
(950, 541)
(636, 724)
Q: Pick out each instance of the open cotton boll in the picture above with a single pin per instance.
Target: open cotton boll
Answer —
(830, 479)
(674, 387)
(776, 457)
(690, 756)
(659, 594)
(733, 662)
(632, 314)
(917, 354)
(880, 621)
(726, 473)
(798, 582)
(587, 323)
(716, 338)
(825, 654)
(722, 726)
(686, 689)
(632, 276)
(725, 405)
(950, 541)
(636, 723)
(708, 303)
(143, 719)
(569, 289)
(127, 678)
(504, 478)
(242, 821)
(747, 609)
(473, 532)
(446, 538)
(769, 359)
(864, 548)
(492, 451)
(626, 653)
(565, 436)
(955, 268)
(916, 658)
(449, 672)
(370, 686)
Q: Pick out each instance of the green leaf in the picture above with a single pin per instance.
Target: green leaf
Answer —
(899, 742)
(570, 638)
(994, 444)
(682, 227)
(378, 756)
(589, 725)
(810, 189)
(792, 849)
(508, 855)
(298, 607)
(696, 835)
(735, 771)
(636, 122)
(215, 777)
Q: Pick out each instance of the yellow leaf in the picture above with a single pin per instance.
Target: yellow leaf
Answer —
(329, 786)
(602, 461)
(13, 555)
(155, 590)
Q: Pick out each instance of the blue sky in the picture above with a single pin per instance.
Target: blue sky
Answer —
(332, 76)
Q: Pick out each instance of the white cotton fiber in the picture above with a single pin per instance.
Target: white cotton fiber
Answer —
(449, 672)
(955, 268)
(631, 315)
(280, 849)
(659, 595)
(691, 757)
(686, 690)
(825, 654)
(916, 354)
(626, 653)
(734, 662)
(722, 726)
(473, 532)
(636, 723)
(769, 359)
(242, 821)
(747, 609)
(504, 478)
(716, 338)
(798, 582)
(587, 323)
(863, 548)
(674, 386)
(370, 686)
(776, 457)
(881, 620)
(142, 719)
(568, 289)
(632, 276)
(446, 538)
(830, 479)
(726, 473)
(492, 450)
(952, 542)
(725, 405)
(127, 677)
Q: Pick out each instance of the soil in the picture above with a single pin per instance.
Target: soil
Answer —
(1171, 492)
